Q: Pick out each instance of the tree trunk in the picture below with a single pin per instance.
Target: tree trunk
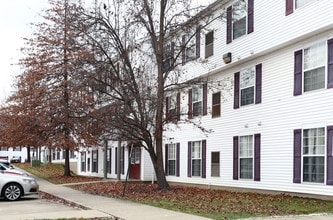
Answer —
(67, 170)
(28, 154)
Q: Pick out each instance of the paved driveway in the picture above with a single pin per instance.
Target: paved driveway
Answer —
(33, 207)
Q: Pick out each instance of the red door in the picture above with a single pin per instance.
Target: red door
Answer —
(135, 163)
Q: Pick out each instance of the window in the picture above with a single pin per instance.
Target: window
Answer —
(191, 45)
(108, 160)
(239, 14)
(301, 3)
(172, 107)
(313, 67)
(314, 155)
(16, 148)
(4, 148)
(247, 80)
(172, 159)
(83, 161)
(247, 86)
(196, 158)
(246, 157)
(197, 101)
(209, 44)
(216, 105)
(215, 166)
(239, 19)
(168, 51)
(94, 161)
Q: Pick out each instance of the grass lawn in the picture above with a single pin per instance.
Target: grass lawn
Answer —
(215, 204)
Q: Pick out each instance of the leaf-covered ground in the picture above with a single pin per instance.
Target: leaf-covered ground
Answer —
(216, 204)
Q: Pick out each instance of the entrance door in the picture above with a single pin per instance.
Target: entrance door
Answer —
(135, 163)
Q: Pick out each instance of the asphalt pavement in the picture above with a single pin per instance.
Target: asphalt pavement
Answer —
(100, 206)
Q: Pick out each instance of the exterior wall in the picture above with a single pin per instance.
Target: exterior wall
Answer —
(146, 166)
(10, 153)
(275, 39)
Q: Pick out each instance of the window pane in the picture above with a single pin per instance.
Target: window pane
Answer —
(313, 169)
(239, 28)
(197, 109)
(314, 79)
(245, 145)
(247, 96)
(239, 19)
(215, 166)
(196, 167)
(172, 167)
(246, 168)
(314, 141)
(196, 150)
(314, 56)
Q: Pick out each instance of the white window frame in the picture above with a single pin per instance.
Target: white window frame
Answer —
(197, 99)
(239, 12)
(308, 154)
(249, 154)
(312, 51)
(245, 83)
(196, 154)
(172, 158)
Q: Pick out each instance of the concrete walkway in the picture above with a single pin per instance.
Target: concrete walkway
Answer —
(104, 206)
(99, 206)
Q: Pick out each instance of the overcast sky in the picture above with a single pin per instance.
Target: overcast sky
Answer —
(15, 17)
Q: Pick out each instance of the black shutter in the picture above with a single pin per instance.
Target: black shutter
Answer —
(229, 24)
(289, 7)
(123, 160)
(250, 17)
(177, 159)
(329, 155)
(330, 63)
(172, 56)
(236, 90)
(190, 104)
(258, 83)
(298, 64)
(197, 42)
(166, 168)
(203, 158)
(235, 158)
(257, 157)
(189, 159)
(204, 101)
(297, 155)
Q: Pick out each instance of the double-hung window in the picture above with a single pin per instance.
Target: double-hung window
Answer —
(168, 51)
(209, 44)
(295, 4)
(247, 83)
(171, 159)
(197, 100)
(240, 19)
(246, 157)
(196, 158)
(239, 15)
(314, 67)
(314, 155)
(191, 45)
(216, 105)
(172, 107)
(247, 86)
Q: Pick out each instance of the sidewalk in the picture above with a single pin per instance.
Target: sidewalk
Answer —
(105, 207)
(100, 206)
